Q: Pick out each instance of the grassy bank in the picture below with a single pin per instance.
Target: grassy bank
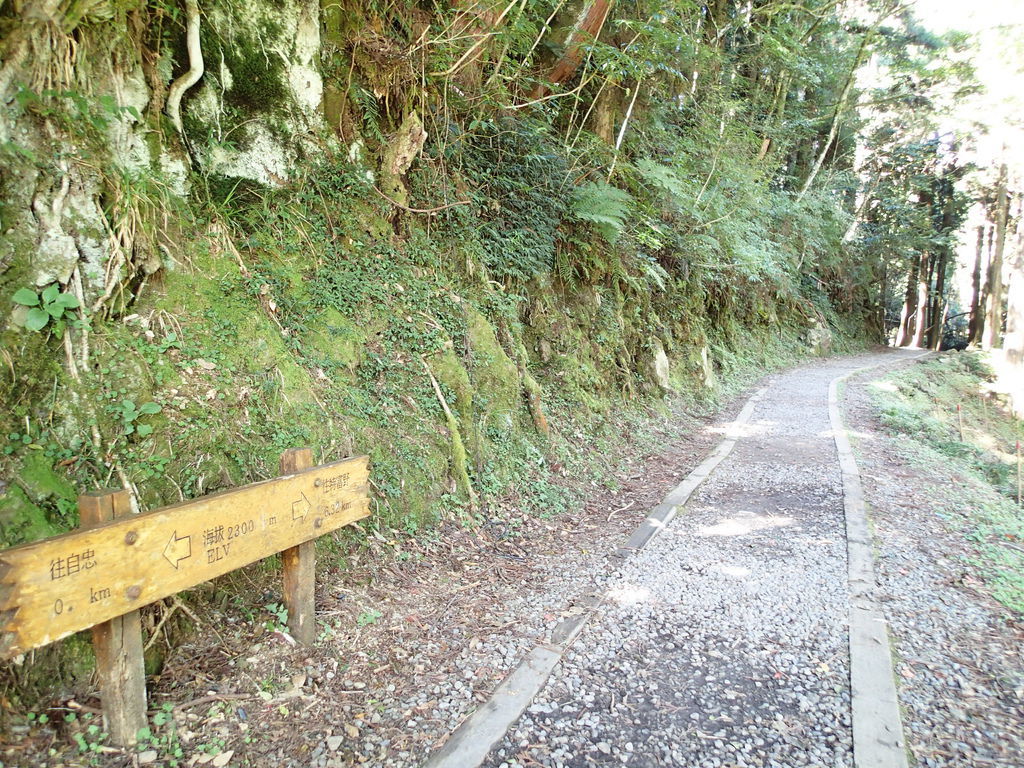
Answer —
(945, 414)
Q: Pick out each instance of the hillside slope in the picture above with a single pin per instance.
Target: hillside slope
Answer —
(239, 228)
(180, 307)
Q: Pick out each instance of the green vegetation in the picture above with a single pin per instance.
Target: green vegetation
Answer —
(162, 737)
(474, 247)
(46, 308)
(924, 406)
(554, 270)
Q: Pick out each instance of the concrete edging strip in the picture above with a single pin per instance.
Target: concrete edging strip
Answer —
(477, 736)
(471, 743)
(878, 740)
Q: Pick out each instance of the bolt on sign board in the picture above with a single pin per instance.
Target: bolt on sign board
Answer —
(52, 588)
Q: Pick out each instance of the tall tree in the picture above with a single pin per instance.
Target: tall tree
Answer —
(992, 333)
(1013, 341)
(586, 28)
(977, 316)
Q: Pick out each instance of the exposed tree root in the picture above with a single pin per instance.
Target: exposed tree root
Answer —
(458, 447)
(195, 66)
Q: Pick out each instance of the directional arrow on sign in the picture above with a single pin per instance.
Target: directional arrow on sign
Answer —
(178, 548)
(300, 508)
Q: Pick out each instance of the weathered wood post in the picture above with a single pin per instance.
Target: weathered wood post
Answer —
(299, 565)
(117, 642)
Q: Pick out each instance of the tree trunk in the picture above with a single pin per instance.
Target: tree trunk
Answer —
(1014, 341)
(622, 129)
(865, 194)
(801, 153)
(991, 336)
(921, 319)
(977, 300)
(909, 313)
(588, 26)
(884, 303)
(938, 305)
(913, 322)
(928, 315)
(602, 122)
(775, 113)
(837, 116)
(716, 13)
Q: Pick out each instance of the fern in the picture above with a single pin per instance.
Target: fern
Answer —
(563, 266)
(603, 206)
(662, 178)
(704, 242)
(652, 271)
(370, 109)
(616, 269)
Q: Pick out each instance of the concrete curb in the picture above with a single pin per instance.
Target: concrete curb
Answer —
(878, 740)
(471, 743)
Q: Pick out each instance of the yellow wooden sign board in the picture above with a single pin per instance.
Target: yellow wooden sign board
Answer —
(52, 588)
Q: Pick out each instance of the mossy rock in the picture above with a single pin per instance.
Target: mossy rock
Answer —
(41, 482)
(31, 505)
(337, 339)
(297, 384)
(408, 478)
(257, 77)
(35, 370)
(493, 371)
(21, 520)
(448, 369)
(65, 666)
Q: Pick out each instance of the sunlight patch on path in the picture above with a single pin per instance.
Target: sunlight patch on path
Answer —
(744, 523)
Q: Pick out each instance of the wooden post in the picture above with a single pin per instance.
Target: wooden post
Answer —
(299, 565)
(118, 642)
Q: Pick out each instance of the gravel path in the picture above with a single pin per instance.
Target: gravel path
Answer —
(724, 642)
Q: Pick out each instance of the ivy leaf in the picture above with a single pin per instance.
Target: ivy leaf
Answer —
(149, 408)
(26, 297)
(68, 301)
(37, 319)
(143, 429)
(50, 293)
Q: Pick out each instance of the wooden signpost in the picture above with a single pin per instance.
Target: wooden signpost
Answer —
(99, 575)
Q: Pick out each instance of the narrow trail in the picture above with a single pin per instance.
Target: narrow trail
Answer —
(725, 642)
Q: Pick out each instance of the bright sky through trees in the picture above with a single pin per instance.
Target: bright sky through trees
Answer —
(988, 126)
(946, 15)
